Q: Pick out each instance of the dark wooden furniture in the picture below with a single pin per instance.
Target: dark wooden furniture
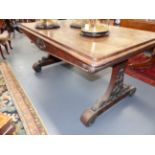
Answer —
(4, 37)
(92, 55)
(148, 25)
(1, 26)
(6, 125)
(25, 20)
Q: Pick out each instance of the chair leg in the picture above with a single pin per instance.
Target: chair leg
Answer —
(1, 53)
(9, 41)
(6, 48)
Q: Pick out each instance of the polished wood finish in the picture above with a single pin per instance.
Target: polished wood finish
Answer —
(148, 25)
(1, 52)
(94, 54)
(145, 64)
(44, 62)
(91, 54)
(4, 41)
(115, 92)
(141, 24)
(2, 23)
(1, 26)
(6, 125)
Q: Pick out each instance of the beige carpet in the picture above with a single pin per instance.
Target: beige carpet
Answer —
(29, 117)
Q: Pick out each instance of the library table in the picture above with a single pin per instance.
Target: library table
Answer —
(92, 55)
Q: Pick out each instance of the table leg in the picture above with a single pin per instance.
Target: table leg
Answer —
(1, 52)
(6, 48)
(9, 41)
(115, 92)
(44, 62)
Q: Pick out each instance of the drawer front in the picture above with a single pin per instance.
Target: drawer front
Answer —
(40, 44)
(38, 41)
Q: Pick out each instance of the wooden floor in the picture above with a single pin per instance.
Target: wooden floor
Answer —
(61, 92)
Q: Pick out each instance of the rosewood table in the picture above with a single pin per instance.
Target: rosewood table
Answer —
(92, 55)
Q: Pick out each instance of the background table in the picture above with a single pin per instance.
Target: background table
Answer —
(141, 24)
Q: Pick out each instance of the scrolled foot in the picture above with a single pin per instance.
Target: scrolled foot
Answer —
(36, 67)
(45, 58)
(132, 91)
(88, 117)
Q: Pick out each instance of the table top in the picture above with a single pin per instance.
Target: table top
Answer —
(121, 43)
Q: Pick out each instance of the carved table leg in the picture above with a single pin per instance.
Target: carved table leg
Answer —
(6, 48)
(145, 64)
(116, 91)
(1, 52)
(9, 41)
(44, 62)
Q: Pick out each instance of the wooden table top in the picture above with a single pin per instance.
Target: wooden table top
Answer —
(121, 44)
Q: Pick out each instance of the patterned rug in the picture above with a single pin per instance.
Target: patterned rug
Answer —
(147, 75)
(15, 104)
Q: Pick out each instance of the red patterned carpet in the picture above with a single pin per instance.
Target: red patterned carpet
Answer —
(146, 75)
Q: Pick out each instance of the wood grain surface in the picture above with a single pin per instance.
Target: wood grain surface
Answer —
(98, 53)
